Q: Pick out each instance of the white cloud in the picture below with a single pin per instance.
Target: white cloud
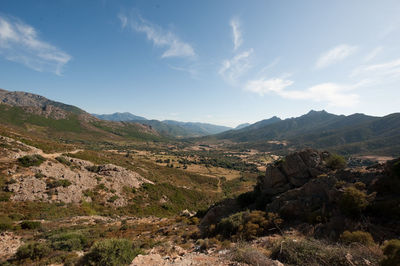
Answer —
(237, 34)
(333, 94)
(232, 69)
(160, 37)
(379, 73)
(20, 43)
(335, 55)
(374, 53)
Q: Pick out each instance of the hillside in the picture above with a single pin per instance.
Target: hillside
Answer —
(353, 134)
(47, 120)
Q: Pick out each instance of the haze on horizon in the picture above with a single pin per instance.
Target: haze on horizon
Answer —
(225, 62)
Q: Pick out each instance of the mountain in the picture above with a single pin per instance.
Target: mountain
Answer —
(183, 129)
(353, 134)
(242, 126)
(47, 120)
(200, 129)
(119, 117)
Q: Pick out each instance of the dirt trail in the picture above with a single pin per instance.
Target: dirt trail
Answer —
(56, 154)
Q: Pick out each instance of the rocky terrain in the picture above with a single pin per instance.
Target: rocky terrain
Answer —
(64, 179)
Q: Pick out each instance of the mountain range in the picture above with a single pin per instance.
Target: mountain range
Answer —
(352, 134)
(356, 133)
(168, 127)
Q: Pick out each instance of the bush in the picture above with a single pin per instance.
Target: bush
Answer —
(33, 251)
(31, 160)
(62, 160)
(247, 225)
(5, 223)
(353, 201)
(59, 183)
(313, 252)
(69, 241)
(391, 250)
(30, 225)
(250, 256)
(361, 237)
(111, 252)
(93, 168)
(335, 161)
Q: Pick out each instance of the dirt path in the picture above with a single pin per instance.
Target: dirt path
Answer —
(57, 154)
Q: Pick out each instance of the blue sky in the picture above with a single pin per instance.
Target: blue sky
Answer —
(224, 62)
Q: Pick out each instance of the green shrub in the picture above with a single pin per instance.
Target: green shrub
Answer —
(33, 251)
(111, 252)
(69, 241)
(5, 223)
(63, 160)
(361, 237)
(93, 168)
(353, 201)
(31, 160)
(247, 225)
(113, 198)
(30, 225)
(391, 250)
(335, 161)
(5, 196)
(59, 183)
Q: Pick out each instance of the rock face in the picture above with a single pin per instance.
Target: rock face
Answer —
(294, 171)
(302, 189)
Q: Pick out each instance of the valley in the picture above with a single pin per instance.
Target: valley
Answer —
(251, 196)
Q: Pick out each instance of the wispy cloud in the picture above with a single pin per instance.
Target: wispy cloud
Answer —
(379, 73)
(331, 93)
(159, 36)
(236, 33)
(335, 55)
(233, 68)
(19, 42)
(374, 53)
(192, 70)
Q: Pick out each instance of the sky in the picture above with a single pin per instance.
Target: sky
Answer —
(225, 62)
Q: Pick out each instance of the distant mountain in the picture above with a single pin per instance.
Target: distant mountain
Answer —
(197, 128)
(119, 117)
(242, 126)
(168, 127)
(357, 133)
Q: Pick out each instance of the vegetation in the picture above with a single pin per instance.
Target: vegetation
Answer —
(33, 251)
(247, 225)
(335, 161)
(30, 225)
(31, 160)
(391, 250)
(353, 201)
(111, 252)
(361, 237)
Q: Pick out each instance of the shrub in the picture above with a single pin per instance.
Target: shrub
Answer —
(93, 168)
(247, 225)
(361, 237)
(33, 251)
(111, 252)
(250, 256)
(30, 225)
(353, 201)
(335, 161)
(59, 183)
(113, 198)
(5, 223)
(69, 241)
(391, 250)
(63, 160)
(31, 160)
